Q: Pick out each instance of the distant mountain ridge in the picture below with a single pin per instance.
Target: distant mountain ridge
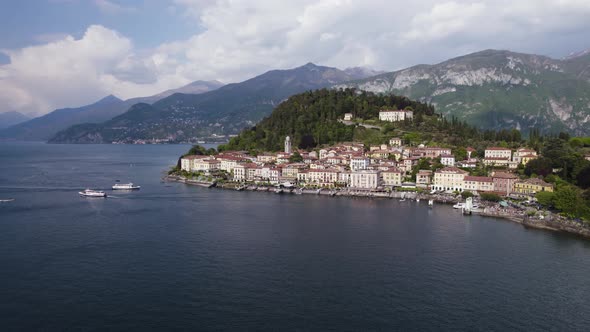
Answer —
(498, 89)
(11, 118)
(227, 110)
(46, 126)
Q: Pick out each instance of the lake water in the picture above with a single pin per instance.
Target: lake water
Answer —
(172, 256)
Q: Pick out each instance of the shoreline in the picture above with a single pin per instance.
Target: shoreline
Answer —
(562, 225)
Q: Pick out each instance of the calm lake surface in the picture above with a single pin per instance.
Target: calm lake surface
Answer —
(171, 256)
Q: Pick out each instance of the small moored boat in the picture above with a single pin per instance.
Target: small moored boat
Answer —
(125, 186)
(92, 193)
(459, 206)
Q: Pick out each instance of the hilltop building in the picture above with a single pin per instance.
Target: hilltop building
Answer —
(394, 116)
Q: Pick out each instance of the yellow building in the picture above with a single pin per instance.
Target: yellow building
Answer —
(532, 186)
(449, 179)
(392, 177)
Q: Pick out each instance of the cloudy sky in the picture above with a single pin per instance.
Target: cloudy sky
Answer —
(59, 53)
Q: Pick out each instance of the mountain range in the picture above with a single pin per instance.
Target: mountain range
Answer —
(227, 110)
(492, 89)
(499, 89)
(11, 118)
(45, 127)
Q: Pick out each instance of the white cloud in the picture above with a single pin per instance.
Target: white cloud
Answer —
(71, 72)
(238, 39)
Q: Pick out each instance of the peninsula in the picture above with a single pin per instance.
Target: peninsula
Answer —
(350, 142)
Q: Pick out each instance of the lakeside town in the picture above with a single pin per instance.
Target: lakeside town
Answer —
(494, 177)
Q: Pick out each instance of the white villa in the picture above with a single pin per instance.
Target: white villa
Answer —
(394, 116)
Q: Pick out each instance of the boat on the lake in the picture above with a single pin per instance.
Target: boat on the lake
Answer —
(459, 205)
(125, 186)
(92, 193)
(7, 200)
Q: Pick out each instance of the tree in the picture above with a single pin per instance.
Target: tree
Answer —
(545, 198)
(568, 200)
(583, 177)
(466, 194)
(199, 150)
(490, 197)
(540, 166)
(296, 157)
(564, 136)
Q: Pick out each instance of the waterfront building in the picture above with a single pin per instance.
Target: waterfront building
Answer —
(288, 148)
(205, 165)
(267, 174)
(227, 163)
(532, 186)
(187, 162)
(504, 182)
(447, 160)
(478, 183)
(423, 178)
(244, 172)
(344, 178)
(322, 177)
(290, 171)
(392, 176)
(449, 178)
(239, 173)
(394, 116)
(364, 179)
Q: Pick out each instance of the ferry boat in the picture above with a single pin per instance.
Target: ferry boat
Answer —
(92, 193)
(125, 186)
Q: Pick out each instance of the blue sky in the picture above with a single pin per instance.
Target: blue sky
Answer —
(147, 23)
(65, 53)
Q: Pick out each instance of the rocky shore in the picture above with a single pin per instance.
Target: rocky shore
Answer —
(548, 221)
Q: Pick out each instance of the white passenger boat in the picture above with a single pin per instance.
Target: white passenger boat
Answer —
(92, 193)
(459, 205)
(125, 186)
